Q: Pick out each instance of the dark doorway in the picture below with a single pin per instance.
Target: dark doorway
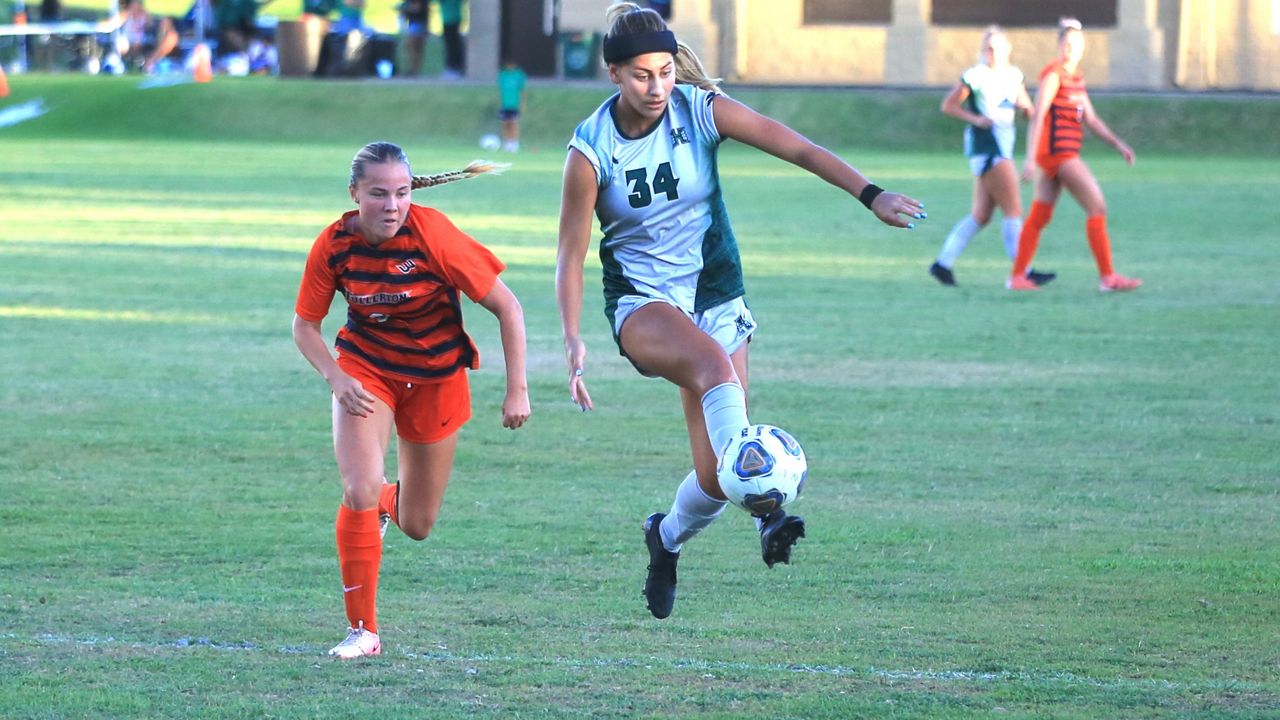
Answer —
(526, 39)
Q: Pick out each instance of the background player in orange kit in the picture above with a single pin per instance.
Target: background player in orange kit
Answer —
(402, 361)
(1056, 133)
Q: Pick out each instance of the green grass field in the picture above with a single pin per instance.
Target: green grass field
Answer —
(1060, 504)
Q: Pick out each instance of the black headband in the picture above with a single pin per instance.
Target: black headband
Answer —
(625, 47)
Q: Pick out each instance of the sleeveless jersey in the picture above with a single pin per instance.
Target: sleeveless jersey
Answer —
(1063, 131)
(403, 313)
(666, 231)
(994, 94)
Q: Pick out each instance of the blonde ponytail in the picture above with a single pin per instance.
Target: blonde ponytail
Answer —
(617, 10)
(476, 168)
(689, 70)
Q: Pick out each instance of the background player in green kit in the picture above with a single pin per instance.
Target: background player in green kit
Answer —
(511, 81)
(988, 97)
(645, 163)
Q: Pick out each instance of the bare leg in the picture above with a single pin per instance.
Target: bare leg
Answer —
(1000, 184)
(1083, 186)
(424, 475)
(664, 341)
(360, 445)
(982, 201)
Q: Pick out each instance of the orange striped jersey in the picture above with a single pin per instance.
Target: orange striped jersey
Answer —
(1063, 131)
(403, 313)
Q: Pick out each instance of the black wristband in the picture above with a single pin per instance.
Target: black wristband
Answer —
(869, 194)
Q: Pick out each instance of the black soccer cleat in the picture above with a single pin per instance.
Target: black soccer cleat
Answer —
(942, 274)
(778, 533)
(660, 584)
(1041, 278)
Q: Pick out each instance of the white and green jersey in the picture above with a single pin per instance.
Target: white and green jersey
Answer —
(993, 93)
(666, 232)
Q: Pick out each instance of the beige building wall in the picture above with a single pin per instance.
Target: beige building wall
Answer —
(1228, 44)
(779, 48)
(1156, 44)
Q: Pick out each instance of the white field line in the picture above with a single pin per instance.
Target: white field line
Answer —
(22, 112)
(709, 668)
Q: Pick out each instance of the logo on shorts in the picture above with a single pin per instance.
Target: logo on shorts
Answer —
(679, 137)
(743, 324)
(405, 266)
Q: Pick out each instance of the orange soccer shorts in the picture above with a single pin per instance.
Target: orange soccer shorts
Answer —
(1050, 163)
(425, 412)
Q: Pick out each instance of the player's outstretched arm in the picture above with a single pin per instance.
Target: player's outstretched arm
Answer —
(737, 121)
(503, 304)
(577, 203)
(1100, 128)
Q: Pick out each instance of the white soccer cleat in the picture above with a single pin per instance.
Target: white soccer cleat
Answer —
(359, 643)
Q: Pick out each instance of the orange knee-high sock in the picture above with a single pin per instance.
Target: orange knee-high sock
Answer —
(389, 502)
(1040, 215)
(359, 555)
(1096, 230)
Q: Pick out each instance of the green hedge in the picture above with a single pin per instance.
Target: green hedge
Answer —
(300, 110)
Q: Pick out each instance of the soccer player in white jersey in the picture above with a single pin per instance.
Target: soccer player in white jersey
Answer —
(645, 163)
(988, 97)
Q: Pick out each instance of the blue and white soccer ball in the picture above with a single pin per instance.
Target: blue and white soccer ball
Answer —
(490, 142)
(762, 469)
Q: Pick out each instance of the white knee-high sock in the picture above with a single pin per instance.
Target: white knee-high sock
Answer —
(1011, 228)
(691, 511)
(956, 242)
(724, 409)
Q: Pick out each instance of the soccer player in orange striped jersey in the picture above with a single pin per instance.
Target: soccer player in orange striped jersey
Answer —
(1062, 111)
(402, 361)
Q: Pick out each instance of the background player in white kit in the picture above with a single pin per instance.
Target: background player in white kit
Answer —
(645, 163)
(988, 97)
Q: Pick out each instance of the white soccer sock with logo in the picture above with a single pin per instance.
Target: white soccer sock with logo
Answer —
(1012, 228)
(724, 411)
(692, 510)
(956, 242)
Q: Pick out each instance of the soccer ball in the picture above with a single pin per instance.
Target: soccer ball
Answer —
(490, 142)
(762, 468)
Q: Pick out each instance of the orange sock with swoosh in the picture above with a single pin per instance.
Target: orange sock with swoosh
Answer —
(389, 502)
(359, 557)
(1100, 243)
(1040, 215)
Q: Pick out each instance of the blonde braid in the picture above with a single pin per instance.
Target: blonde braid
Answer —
(477, 167)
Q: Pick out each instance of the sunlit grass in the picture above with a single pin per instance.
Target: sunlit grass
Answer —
(44, 312)
(1053, 505)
